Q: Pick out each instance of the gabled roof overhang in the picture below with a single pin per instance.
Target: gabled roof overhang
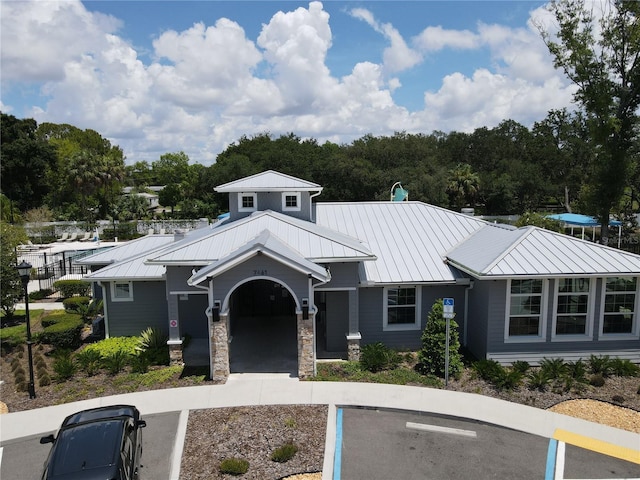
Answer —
(264, 244)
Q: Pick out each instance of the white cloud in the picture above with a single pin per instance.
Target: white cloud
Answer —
(208, 85)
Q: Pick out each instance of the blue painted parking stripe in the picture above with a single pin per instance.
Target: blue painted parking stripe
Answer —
(551, 459)
(337, 460)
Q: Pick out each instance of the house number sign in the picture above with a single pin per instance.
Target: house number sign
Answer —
(260, 272)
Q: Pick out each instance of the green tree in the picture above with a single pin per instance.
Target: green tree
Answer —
(85, 173)
(10, 284)
(25, 161)
(463, 186)
(602, 58)
(431, 356)
(171, 168)
(539, 220)
(170, 195)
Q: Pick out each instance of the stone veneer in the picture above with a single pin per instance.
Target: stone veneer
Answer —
(220, 347)
(305, 346)
(175, 354)
(353, 350)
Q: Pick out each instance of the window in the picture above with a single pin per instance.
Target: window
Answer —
(402, 310)
(291, 201)
(620, 295)
(525, 307)
(247, 202)
(122, 291)
(572, 311)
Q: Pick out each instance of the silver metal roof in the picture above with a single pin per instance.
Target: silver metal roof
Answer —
(130, 269)
(531, 251)
(127, 250)
(266, 244)
(269, 181)
(409, 239)
(313, 242)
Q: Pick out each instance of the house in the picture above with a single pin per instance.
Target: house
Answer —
(285, 278)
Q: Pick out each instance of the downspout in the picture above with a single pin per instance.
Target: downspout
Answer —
(209, 310)
(466, 312)
(311, 197)
(104, 307)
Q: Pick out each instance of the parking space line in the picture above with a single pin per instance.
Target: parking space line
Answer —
(551, 459)
(337, 461)
(438, 429)
(596, 445)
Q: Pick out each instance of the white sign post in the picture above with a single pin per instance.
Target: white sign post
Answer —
(448, 314)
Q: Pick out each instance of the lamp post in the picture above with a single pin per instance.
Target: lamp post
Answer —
(24, 270)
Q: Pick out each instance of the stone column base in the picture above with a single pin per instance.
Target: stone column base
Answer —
(175, 352)
(220, 350)
(306, 360)
(353, 347)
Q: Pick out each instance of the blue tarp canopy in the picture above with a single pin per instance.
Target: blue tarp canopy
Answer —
(580, 220)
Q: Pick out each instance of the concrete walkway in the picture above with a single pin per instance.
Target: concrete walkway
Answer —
(257, 389)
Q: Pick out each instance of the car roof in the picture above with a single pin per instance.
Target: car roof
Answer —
(101, 413)
(87, 450)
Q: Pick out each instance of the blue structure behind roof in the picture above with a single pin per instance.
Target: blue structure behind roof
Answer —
(580, 220)
(399, 194)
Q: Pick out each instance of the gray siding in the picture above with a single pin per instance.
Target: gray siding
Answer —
(193, 319)
(371, 320)
(148, 309)
(271, 201)
(259, 267)
(337, 321)
(343, 275)
(177, 279)
(479, 301)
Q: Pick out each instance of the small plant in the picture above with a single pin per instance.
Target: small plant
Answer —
(597, 380)
(234, 466)
(290, 423)
(377, 356)
(577, 371)
(89, 361)
(554, 368)
(431, 357)
(284, 453)
(600, 365)
(488, 370)
(44, 380)
(139, 363)
(509, 379)
(618, 399)
(624, 368)
(521, 366)
(538, 380)
(115, 362)
(63, 366)
(21, 386)
(19, 376)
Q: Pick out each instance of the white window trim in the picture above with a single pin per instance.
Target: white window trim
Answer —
(588, 335)
(284, 202)
(542, 336)
(394, 327)
(121, 299)
(635, 326)
(247, 194)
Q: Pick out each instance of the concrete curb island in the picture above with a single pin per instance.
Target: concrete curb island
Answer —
(250, 390)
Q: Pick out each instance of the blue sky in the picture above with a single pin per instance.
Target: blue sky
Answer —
(195, 76)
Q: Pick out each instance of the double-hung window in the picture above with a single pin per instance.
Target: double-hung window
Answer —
(620, 305)
(122, 291)
(525, 310)
(402, 308)
(573, 308)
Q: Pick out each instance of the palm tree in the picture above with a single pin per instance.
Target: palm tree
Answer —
(463, 186)
(85, 173)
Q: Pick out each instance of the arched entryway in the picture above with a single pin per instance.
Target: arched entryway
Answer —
(262, 329)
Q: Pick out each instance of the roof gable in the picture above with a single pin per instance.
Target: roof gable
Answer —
(127, 250)
(269, 181)
(264, 244)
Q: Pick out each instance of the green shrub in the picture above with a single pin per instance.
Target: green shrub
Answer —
(509, 379)
(624, 368)
(431, 357)
(377, 356)
(44, 380)
(538, 380)
(21, 386)
(57, 317)
(617, 399)
(554, 368)
(69, 288)
(108, 346)
(19, 376)
(521, 366)
(63, 366)
(284, 453)
(152, 345)
(597, 380)
(89, 361)
(234, 466)
(64, 334)
(139, 363)
(488, 370)
(72, 304)
(115, 362)
(40, 294)
(11, 337)
(577, 371)
(600, 365)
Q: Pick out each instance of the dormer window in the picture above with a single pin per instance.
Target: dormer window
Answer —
(291, 201)
(247, 202)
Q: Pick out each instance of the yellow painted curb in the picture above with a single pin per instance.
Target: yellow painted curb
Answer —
(596, 445)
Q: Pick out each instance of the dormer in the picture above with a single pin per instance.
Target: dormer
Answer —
(270, 190)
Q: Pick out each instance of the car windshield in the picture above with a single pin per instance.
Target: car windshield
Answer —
(87, 446)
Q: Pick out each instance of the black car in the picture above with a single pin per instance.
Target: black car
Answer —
(101, 443)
